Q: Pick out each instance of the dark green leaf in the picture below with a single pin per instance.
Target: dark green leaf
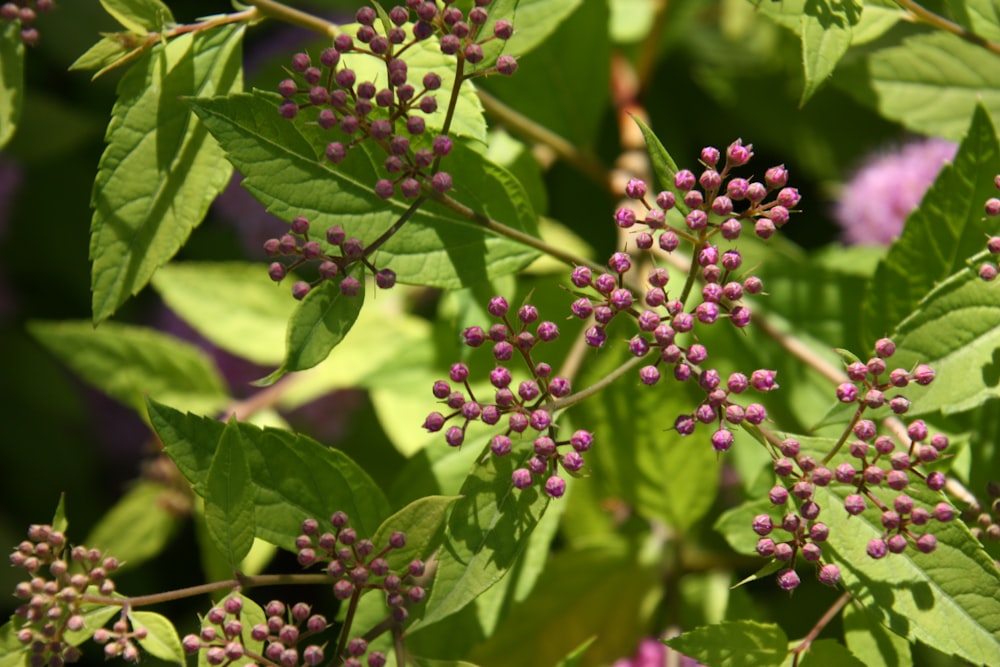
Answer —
(11, 79)
(734, 644)
(594, 591)
(293, 477)
(947, 228)
(161, 169)
(283, 162)
(229, 508)
(140, 16)
(318, 325)
(871, 642)
(130, 363)
(138, 527)
(486, 533)
(564, 82)
(830, 653)
(161, 638)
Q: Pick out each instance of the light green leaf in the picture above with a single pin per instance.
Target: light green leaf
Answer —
(955, 330)
(826, 30)
(734, 644)
(871, 642)
(229, 507)
(161, 638)
(436, 247)
(293, 477)
(422, 521)
(931, 83)
(631, 20)
(12, 652)
(257, 311)
(11, 79)
(534, 21)
(574, 658)
(981, 17)
(114, 50)
(945, 599)
(94, 617)
(486, 533)
(129, 363)
(138, 527)
(252, 614)
(161, 169)
(735, 525)
(59, 520)
(948, 227)
(830, 653)
(140, 16)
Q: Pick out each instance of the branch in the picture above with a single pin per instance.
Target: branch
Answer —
(941, 23)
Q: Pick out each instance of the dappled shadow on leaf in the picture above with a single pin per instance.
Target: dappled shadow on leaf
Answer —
(991, 371)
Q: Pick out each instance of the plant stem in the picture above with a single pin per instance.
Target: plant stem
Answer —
(595, 388)
(818, 628)
(501, 229)
(286, 14)
(191, 591)
(348, 620)
(521, 125)
(941, 23)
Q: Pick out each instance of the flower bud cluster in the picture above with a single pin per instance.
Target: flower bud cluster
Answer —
(988, 271)
(876, 468)
(984, 522)
(25, 12)
(223, 635)
(800, 530)
(355, 564)
(713, 201)
(391, 114)
(300, 249)
(522, 404)
(52, 598)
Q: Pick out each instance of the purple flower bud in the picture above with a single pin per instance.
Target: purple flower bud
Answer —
(896, 543)
(788, 579)
(540, 420)
(722, 440)
(811, 552)
(762, 524)
(936, 481)
(778, 495)
(696, 220)
(926, 543)
(944, 512)
(923, 375)
(684, 424)
(434, 422)
(847, 393)
(300, 289)
(454, 436)
(684, 180)
(765, 547)
(635, 189)
(763, 380)
(737, 154)
(917, 430)
(897, 480)
(854, 504)
(441, 181)
(595, 336)
(783, 467)
(829, 574)
(555, 487)
(877, 548)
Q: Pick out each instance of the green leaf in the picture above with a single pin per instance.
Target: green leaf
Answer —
(318, 325)
(140, 16)
(252, 614)
(161, 638)
(938, 237)
(982, 17)
(569, 71)
(574, 657)
(598, 590)
(11, 79)
(12, 652)
(931, 83)
(946, 598)
(734, 644)
(59, 520)
(94, 617)
(112, 51)
(486, 533)
(293, 477)
(663, 165)
(825, 28)
(282, 163)
(257, 311)
(138, 527)
(161, 169)
(229, 509)
(830, 653)
(955, 330)
(422, 521)
(871, 642)
(534, 21)
(129, 363)
(734, 525)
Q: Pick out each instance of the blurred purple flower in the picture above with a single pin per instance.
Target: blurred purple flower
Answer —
(654, 653)
(876, 201)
